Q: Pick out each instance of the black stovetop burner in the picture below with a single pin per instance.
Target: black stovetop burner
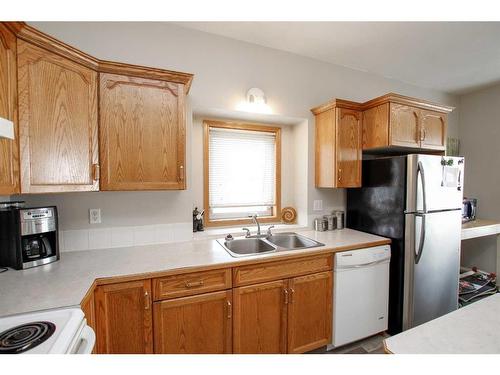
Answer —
(24, 337)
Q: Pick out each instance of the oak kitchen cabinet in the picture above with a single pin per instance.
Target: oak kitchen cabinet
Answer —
(142, 133)
(398, 122)
(57, 147)
(124, 319)
(193, 313)
(199, 324)
(57, 121)
(281, 306)
(338, 144)
(289, 313)
(9, 151)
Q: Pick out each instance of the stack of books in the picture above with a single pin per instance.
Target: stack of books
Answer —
(475, 285)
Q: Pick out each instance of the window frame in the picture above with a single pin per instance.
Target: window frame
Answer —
(236, 125)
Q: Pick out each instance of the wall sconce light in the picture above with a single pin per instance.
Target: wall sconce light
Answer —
(255, 102)
(6, 128)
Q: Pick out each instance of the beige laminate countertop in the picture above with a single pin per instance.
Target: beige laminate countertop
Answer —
(474, 329)
(65, 283)
(480, 228)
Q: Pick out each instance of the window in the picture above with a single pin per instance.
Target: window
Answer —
(242, 172)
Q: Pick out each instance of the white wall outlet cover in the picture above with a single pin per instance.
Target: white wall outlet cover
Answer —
(318, 205)
(95, 216)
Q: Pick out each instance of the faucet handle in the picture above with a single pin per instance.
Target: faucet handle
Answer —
(248, 232)
(269, 230)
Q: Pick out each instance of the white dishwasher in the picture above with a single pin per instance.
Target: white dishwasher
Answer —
(361, 294)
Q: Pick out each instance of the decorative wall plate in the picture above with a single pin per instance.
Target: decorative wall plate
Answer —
(288, 215)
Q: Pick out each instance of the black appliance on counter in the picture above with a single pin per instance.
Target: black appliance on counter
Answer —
(28, 236)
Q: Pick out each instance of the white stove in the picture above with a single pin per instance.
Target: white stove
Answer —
(61, 331)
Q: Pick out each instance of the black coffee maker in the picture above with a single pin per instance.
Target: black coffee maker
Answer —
(28, 236)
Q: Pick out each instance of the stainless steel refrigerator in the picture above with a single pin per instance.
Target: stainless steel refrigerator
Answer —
(416, 201)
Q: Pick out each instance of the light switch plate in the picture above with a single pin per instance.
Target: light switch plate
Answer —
(95, 216)
(318, 205)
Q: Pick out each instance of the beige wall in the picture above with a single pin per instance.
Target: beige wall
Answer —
(224, 70)
(480, 144)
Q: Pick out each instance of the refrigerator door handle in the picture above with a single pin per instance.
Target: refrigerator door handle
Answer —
(418, 253)
(420, 169)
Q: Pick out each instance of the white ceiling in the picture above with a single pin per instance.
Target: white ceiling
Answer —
(454, 57)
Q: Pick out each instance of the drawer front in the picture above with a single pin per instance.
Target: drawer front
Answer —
(191, 283)
(257, 273)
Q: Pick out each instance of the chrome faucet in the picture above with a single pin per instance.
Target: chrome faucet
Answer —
(254, 220)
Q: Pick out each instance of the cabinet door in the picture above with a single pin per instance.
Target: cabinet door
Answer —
(260, 318)
(58, 123)
(348, 148)
(376, 127)
(88, 308)
(404, 126)
(9, 151)
(310, 312)
(142, 133)
(433, 130)
(124, 318)
(199, 324)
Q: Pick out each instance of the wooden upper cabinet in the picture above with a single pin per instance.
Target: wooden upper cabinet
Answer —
(404, 126)
(124, 323)
(199, 324)
(348, 147)
(338, 144)
(142, 133)
(260, 313)
(9, 150)
(310, 312)
(58, 122)
(395, 121)
(433, 130)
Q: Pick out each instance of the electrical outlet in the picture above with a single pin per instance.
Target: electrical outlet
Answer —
(95, 216)
(318, 205)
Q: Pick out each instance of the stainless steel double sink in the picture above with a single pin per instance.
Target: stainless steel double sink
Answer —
(240, 247)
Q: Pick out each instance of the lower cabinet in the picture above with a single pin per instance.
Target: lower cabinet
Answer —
(285, 316)
(310, 312)
(199, 324)
(279, 312)
(260, 313)
(124, 323)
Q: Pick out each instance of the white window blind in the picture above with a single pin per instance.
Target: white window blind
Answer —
(242, 173)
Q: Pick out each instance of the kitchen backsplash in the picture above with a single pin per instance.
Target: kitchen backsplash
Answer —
(125, 236)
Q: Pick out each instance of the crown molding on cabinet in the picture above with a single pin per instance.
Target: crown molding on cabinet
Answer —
(30, 34)
(406, 100)
(388, 98)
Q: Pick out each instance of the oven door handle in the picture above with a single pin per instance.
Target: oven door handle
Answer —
(87, 341)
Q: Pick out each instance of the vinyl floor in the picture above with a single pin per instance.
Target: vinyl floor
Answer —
(370, 345)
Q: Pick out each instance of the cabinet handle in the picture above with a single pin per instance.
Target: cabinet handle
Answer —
(229, 309)
(340, 174)
(181, 173)
(423, 133)
(194, 284)
(146, 300)
(292, 292)
(286, 296)
(96, 172)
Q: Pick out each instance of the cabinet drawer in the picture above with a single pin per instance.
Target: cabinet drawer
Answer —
(257, 273)
(191, 283)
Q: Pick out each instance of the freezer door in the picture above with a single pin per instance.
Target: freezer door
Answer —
(434, 183)
(432, 263)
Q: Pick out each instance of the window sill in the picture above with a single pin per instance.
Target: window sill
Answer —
(212, 233)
